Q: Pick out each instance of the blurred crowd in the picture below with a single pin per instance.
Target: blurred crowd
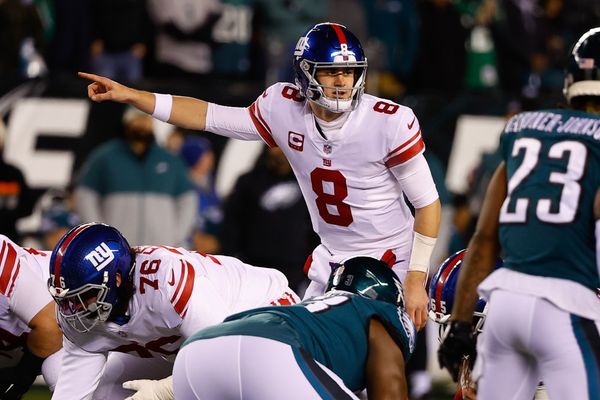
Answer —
(413, 46)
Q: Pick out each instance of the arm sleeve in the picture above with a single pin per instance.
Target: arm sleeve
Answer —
(233, 122)
(416, 181)
(251, 123)
(80, 373)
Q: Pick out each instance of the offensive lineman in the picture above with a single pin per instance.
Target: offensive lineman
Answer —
(144, 302)
(354, 156)
(30, 339)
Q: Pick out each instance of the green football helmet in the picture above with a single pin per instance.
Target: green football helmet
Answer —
(367, 277)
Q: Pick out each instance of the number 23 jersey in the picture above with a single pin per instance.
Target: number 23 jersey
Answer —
(553, 172)
(354, 200)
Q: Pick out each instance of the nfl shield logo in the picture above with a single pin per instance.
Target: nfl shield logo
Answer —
(327, 148)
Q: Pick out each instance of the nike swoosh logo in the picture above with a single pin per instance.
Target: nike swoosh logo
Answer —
(172, 281)
(412, 123)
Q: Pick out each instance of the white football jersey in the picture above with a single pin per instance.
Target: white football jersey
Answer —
(23, 293)
(356, 204)
(177, 292)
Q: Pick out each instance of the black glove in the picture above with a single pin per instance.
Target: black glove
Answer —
(16, 381)
(458, 342)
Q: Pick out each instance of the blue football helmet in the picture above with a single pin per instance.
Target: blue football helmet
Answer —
(367, 277)
(83, 273)
(329, 45)
(442, 289)
(582, 76)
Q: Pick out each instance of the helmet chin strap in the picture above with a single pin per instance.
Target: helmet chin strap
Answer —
(337, 106)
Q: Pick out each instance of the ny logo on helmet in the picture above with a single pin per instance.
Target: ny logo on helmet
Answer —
(299, 50)
(100, 257)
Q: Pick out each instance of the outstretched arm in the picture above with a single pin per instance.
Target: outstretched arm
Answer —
(186, 112)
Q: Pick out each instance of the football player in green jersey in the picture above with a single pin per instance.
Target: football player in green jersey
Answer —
(542, 210)
(355, 336)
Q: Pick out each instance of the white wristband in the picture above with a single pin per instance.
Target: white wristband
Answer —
(422, 248)
(162, 106)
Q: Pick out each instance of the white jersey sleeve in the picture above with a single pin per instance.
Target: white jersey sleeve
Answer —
(404, 140)
(416, 181)
(23, 275)
(80, 373)
(232, 122)
(251, 123)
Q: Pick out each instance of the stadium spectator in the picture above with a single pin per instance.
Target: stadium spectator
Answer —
(69, 46)
(199, 158)
(16, 199)
(121, 30)
(183, 36)
(266, 221)
(355, 156)
(56, 221)
(137, 186)
(21, 37)
(280, 25)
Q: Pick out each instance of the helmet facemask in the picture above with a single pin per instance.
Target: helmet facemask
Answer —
(315, 91)
(83, 307)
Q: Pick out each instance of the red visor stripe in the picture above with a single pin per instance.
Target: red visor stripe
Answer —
(262, 131)
(409, 153)
(8, 266)
(340, 33)
(442, 280)
(181, 305)
(61, 251)
(403, 145)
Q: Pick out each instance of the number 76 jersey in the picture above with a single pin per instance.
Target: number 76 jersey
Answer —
(354, 200)
(547, 225)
